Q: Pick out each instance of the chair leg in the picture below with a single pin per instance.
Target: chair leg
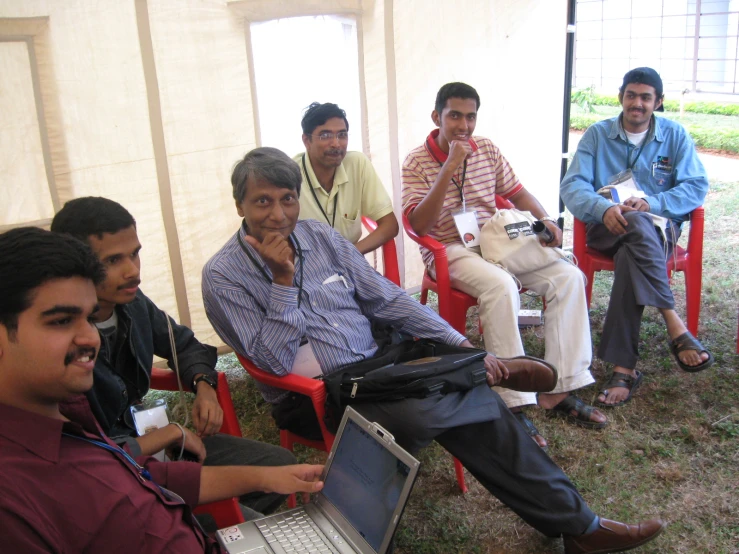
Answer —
(692, 300)
(589, 275)
(424, 295)
(458, 321)
(286, 440)
(459, 470)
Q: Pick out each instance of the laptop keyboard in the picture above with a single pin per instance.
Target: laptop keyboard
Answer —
(295, 533)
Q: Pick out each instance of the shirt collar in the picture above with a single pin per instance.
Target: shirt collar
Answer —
(42, 435)
(437, 153)
(340, 177)
(655, 131)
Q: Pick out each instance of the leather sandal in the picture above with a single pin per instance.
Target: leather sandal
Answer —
(622, 380)
(685, 342)
(582, 413)
(531, 429)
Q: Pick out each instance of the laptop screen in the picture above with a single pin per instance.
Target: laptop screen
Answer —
(364, 483)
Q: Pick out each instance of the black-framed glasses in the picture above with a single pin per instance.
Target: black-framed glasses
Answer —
(327, 136)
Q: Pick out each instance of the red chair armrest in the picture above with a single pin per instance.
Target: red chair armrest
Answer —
(313, 388)
(166, 379)
(389, 253)
(578, 240)
(502, 203)
(441, 267)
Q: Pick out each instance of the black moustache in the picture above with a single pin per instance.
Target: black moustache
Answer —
(130, 284)
(72, 356)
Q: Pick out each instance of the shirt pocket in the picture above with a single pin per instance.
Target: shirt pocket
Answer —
(352, 222)
(334, 297)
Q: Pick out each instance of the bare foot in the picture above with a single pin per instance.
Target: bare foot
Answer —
(615, 395)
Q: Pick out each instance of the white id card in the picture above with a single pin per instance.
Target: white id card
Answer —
(150, 417)
(467, 228)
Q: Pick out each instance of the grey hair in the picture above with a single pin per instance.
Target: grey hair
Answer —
(268, 164)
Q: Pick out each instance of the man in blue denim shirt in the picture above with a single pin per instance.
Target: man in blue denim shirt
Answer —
(665, 166)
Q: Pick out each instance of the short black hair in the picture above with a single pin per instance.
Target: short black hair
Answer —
(91, 215)
(268, 164)
(455, 90)
(317, 114)
(31, 257)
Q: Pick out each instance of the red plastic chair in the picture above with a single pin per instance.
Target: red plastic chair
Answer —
(453, 303)
(688, 260)
(316, 391)
(389, 253)
(225, 512)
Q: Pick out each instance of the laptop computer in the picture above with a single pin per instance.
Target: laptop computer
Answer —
(367, 481)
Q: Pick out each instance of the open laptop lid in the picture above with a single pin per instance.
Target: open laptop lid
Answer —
(367, 481)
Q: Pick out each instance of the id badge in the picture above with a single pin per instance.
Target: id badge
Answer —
(467, 228)
(624, 186)
(147, 418)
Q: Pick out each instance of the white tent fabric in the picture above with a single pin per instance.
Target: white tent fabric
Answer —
(151, 102)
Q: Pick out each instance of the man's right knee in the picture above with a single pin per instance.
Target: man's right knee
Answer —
(639, 222)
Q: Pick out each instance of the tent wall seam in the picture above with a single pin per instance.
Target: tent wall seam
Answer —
(160, 159)
(393, 125)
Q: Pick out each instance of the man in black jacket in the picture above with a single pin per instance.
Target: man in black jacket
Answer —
(133, 330)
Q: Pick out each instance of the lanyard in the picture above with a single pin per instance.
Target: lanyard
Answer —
(142, 471)
(144, 474)
(629, 163)
(629, 146)
(261, 269)
(313, 192)
(460, 187)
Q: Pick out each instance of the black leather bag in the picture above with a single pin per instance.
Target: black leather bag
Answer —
(410, 369)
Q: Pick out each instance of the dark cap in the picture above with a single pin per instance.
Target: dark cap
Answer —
(645, 76)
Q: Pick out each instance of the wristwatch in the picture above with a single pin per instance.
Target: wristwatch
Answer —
(548, 218)
(207, 378)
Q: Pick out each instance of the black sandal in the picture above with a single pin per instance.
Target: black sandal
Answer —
(687, 341)
(624, 381)
(582, 413)
(530, 428)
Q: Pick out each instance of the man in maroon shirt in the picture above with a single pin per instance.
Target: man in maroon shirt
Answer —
(64, 486)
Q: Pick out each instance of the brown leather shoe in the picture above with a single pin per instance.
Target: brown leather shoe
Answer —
(529, 374)
(613, 536)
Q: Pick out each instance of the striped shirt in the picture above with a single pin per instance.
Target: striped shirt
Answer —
(340, 291)
(488, 173)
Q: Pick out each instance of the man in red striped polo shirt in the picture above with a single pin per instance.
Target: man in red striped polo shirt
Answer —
(454, 171)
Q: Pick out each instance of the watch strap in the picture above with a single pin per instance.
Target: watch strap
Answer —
(207, 378)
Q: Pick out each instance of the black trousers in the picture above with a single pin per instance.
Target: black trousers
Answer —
(639, 280)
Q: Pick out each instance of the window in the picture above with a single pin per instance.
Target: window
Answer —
(302, 60)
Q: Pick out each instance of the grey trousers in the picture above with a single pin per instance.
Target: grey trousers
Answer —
(227, 450)
(639, 280)
(495, 449)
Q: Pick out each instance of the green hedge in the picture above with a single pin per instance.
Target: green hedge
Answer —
(714, 108)
(704, 137)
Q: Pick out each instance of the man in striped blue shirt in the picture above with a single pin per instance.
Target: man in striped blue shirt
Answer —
(282, 290)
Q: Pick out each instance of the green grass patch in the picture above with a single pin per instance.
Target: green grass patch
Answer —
(672, 452)
(712, 108)
(712, 131)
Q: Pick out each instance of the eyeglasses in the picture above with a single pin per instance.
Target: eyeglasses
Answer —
(327, 136)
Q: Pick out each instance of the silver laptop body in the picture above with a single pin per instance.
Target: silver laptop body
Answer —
(367, 481)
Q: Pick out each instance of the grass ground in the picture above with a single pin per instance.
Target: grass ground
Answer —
(705, 120)
(672, 452)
